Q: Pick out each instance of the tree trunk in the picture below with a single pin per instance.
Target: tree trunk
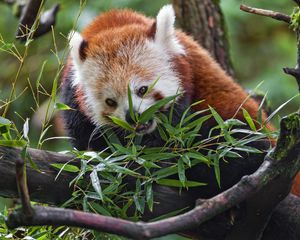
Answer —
(203, 19)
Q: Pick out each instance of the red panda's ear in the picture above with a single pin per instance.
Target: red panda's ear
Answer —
(78, 47)
(165, 34)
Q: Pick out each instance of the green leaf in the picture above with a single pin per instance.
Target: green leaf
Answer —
(131, 111)
(181, 172)
(198, 156)
(139, 203)
(152, 86)
(4, 121)
(234, 122)
(279, 108)
(62, 106)
(121, 123)
(162, 133)
(96, 183)
(247, 149)
(149, 195)
(40, 75)
(7, 46)
(177, 183)
(193, 115)
(260, 109)
(121, 149)
(217, 169)
(198, 122)
(125, 170)
(148, 113)
(13, 143)
(186, 160)
(66, 167)
(100, 209)
(165, 172)
(249, 120)
(217, 117)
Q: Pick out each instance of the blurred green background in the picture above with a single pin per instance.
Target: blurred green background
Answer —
(260, 48)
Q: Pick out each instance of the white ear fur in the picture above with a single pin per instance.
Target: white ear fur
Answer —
(75, 40)
(165, 34)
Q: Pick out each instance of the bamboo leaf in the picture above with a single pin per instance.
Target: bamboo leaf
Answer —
(121, 123)
(62, 106)
(249, 120)
(130, 103)
(96, 183)
(177, 183)
(66, 167)
(148, 113)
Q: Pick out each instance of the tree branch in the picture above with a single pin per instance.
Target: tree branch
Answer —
(43, 185)
(267, 13)
(29, 16)
(281, 160)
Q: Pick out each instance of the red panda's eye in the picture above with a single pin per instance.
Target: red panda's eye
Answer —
(110, 102)
(142, 91)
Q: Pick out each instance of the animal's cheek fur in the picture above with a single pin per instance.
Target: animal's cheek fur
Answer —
(106, 116)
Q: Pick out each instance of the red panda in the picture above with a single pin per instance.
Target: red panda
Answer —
(123, 48)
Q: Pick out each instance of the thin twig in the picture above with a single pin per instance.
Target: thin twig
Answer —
(28, 18)
(23, 189)
(267, 13)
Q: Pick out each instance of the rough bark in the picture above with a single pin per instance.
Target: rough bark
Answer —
(204, 20)
(43, 185)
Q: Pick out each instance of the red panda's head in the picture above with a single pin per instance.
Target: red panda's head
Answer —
(110, 56)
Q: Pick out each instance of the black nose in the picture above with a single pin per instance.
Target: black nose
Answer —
(129, 119)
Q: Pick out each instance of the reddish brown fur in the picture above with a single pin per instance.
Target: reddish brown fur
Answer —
(201, 76)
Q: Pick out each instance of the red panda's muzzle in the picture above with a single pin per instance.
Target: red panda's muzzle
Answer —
(140, 128)
(146, 127)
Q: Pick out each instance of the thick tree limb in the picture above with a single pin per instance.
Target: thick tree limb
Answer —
(267, 13)
(42, 184)
(278, 169)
